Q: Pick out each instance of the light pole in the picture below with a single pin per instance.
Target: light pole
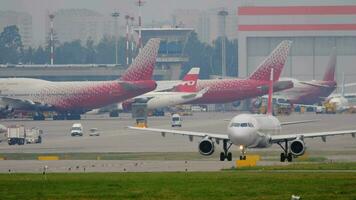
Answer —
(127, 18)
(222, 14)
(116, 15)
(131, 37)
(51, 17)
(139, 3)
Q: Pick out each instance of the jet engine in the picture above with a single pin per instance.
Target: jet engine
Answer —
(297, 147)
(206, 147)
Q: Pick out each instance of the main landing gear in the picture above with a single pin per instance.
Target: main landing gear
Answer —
(226, 154)
(286, 156)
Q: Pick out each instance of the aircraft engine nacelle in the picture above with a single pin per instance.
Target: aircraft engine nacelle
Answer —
(206, 147)
(297, 147)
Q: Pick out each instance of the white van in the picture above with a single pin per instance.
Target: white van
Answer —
(176, 120)
(77, 129)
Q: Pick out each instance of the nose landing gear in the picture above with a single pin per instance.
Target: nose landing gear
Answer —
(243, 152)
(226, 154)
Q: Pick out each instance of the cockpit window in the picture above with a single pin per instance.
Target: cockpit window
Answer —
(243, 125)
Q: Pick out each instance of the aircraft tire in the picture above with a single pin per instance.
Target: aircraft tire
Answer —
(283, 157)
(222, 156)
(229, 156)
(289, 157)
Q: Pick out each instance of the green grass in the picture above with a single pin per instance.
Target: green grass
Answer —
(306, 166)
(211, 185)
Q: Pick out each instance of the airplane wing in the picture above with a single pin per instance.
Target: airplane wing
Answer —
(196, 95)
(323, 135)
(187, 133)
(350, 84)
(22, 103)
(297, 122)
(314, 84)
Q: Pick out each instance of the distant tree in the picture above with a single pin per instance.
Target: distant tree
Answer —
(231, 57)
(10, 45)
(40, 56)
(71, 53)
(28, 56)
(106, 50)
(199, 55)
(90, 52)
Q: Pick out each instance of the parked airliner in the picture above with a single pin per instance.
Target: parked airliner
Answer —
(159, 99)
(311, 92)
(253, 131)
(230, 90)
(70, 99)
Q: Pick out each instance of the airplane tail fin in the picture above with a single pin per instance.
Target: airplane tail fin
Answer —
(143, 65)
(330, 70)
(275, 60)
(189, 81)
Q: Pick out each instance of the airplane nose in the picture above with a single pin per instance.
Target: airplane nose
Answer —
(242, 136)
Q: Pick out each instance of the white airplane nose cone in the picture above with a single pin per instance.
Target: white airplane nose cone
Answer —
(242, 136)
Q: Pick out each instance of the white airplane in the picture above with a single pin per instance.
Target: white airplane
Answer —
(187, 92)
(253, 131)
(341, 100)
(160, 97)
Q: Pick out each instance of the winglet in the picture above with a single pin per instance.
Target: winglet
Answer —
(144, 63)
(275, 60)
(330, 70)
(189, 81)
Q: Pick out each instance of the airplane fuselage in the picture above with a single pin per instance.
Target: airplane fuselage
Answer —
(76, 97)
(229, 90)
(164, 99)
(253, 130)
(308, 94)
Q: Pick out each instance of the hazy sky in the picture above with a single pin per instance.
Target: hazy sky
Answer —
(157, 10)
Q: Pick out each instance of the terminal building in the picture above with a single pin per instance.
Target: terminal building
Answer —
(314, 30)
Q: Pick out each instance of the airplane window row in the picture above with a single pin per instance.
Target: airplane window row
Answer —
(241, 125)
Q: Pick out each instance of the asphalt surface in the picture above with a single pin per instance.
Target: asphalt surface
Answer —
(115, 137)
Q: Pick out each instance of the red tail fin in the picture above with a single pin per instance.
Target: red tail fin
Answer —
(189, 81)
(275, 60)
(144, 63)
(330, 70)
(270, 93)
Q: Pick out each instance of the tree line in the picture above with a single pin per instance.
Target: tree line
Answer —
(203, 55)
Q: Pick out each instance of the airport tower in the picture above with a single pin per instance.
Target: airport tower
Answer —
(170, 54)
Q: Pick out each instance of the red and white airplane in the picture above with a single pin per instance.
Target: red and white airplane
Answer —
(229, 90)
(159, 99)
(70, 99)
(253, 131)
(311, 92)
